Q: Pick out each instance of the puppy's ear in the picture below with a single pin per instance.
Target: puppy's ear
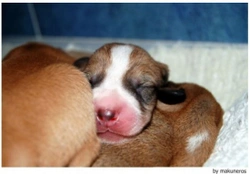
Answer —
(81, 63)
(164, 74)
(169, 92)
(171, 95)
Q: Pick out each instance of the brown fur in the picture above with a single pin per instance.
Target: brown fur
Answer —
(164, 141)
(47, 111)
(143, 65)
(78, 54)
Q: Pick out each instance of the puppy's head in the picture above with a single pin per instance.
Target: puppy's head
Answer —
(125, 81)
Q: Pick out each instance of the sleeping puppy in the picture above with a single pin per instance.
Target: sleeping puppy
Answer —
(129, 86)
(182, 134)
(125, 80)
(47, 110)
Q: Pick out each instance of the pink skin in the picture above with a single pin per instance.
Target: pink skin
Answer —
(123, 124)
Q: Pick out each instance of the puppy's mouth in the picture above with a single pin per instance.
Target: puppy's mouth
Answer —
(119, 133)
(112, 138)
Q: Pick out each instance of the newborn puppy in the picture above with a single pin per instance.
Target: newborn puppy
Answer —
(182, 134)
(47, 110)
(125, 80)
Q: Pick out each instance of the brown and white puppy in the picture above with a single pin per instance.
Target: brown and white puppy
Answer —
(182, 134)
(47, 110)
(125, 81)
(186, 117)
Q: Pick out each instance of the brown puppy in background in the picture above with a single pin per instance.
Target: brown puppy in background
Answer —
(47, 110)
(182, 134)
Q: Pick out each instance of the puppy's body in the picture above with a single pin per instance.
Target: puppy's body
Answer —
(196, 123)
(179, 135)
(47, 111)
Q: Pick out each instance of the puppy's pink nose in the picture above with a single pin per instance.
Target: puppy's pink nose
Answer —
(106, 115)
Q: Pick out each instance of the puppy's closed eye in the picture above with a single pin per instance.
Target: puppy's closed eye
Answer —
(146, 93)
(143, 91)
(94, 79)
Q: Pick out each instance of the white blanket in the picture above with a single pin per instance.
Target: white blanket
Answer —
(231, 149)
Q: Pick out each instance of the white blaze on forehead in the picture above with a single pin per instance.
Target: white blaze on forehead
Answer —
(196, 140)
(120, 57)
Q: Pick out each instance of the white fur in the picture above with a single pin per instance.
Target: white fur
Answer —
(120, 56)
(195, 141)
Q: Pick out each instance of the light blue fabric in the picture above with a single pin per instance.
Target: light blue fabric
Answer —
(219, 22)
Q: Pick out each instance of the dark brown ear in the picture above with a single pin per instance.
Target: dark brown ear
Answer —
(164, 74)
(171, 95)
(81, 63)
